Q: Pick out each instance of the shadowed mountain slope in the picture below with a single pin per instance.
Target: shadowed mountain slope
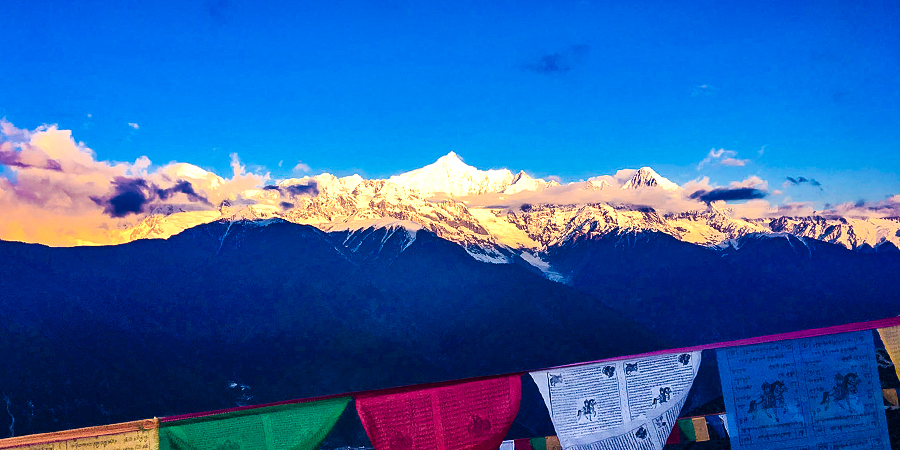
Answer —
(756, 285)
(251, 312)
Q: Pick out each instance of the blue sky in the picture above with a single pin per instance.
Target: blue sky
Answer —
(566, 88)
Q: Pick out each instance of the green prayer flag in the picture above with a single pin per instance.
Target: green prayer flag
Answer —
(296, 426)
(539, 443)
(686, 426)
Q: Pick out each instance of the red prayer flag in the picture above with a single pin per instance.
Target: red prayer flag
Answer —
(469, 415)
(674, 436)
(523, 444)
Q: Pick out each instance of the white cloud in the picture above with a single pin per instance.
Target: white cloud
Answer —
(134, 125)
(583, 193)
(733, 162)
(301, 168)
(722, 157)
(752, 182)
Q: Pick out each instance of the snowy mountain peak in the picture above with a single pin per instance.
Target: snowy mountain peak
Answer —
(451, 159)
(450, 175)
(647, 177)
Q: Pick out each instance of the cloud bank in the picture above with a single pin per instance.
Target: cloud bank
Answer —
(56, 191)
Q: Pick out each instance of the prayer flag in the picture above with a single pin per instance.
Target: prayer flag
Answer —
(138, 435)
(467, 415)
(687, 428)
(508, 445)
(701, 432)
(674, 437)
(818, 392)
(618, 404)
(715, 422)
(553, 443)
(891, 339)
(523, 444)
(539, 443)
(891, 396)
(724, 419)
(295, 426)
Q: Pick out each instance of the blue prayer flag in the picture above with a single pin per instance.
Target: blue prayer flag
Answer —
(821, 392)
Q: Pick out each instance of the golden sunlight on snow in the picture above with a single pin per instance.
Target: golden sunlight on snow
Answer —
(504, 231)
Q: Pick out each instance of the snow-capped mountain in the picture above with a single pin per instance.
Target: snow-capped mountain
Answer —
(647, 177)
(450, 175)
(500, 217)
(849, 232)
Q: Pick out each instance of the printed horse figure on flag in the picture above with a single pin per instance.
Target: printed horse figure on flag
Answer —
(587, 411)
(845, 389)
(665, 393)
(770, 401)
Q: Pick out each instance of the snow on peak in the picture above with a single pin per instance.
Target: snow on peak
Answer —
(191, 172)
(451, 159)
(597, 183)
(523, 182)
(450, 175)
(647, 177)
(188, 171)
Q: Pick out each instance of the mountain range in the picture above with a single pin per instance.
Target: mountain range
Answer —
(499, 217)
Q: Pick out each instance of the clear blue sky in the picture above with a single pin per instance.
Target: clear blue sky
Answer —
(572, 88)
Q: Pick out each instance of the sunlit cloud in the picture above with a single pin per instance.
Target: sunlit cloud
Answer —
(733, 162)
(889, 207)
(55, 190)
(134, 125)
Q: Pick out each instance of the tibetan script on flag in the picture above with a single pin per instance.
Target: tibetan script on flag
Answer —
(818, 393)
(630, 404)
(468, 415)
(140, 435)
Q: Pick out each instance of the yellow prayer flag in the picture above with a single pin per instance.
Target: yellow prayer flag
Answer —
(891, 338)
(891, 396)
(700, 430)
(138, 435)
(553, 443)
